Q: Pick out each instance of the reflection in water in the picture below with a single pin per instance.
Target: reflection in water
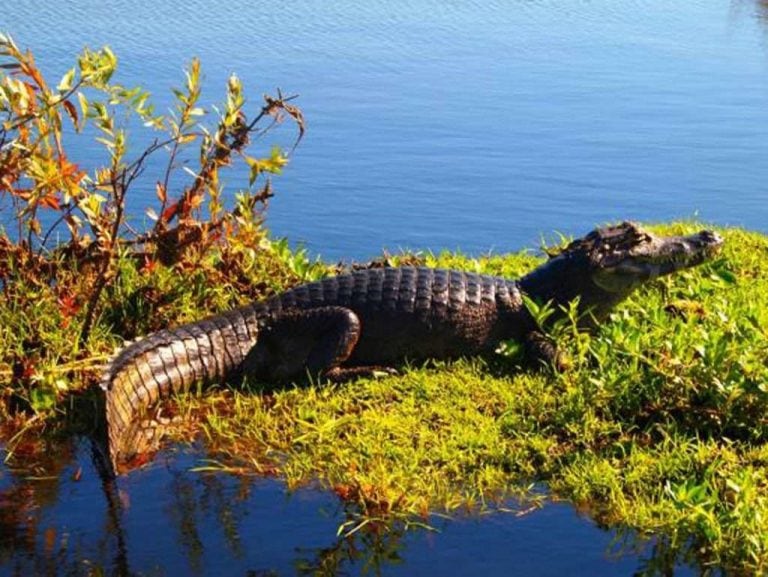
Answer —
(762, 11)
(114, 526)
(373, 548)
(29, 543)
(743, 10)
(194, 498)
(165, 520)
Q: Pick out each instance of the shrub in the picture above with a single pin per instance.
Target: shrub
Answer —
(78, 270)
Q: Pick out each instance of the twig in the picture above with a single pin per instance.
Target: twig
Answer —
(68, 211)
(119, 189)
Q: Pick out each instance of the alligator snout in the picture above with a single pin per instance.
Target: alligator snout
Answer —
(711, 238)
(702, 244)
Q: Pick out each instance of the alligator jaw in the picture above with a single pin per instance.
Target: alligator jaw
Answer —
(622, 268)
(664, 255)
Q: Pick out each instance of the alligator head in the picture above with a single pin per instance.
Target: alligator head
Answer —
(605, 266)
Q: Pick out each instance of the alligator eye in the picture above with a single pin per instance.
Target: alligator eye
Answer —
(632, 227)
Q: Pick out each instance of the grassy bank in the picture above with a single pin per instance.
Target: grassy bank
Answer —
(659, 426)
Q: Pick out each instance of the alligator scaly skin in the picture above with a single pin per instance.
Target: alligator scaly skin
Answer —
(351, 324)
(396, 313)
(167, 362)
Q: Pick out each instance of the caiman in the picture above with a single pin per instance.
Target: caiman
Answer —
(370, 320)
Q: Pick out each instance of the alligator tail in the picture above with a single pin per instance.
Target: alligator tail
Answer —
(166, 362)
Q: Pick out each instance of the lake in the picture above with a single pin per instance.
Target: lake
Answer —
(477, 126)
(471, 125)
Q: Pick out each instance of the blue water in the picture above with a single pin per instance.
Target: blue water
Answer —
(431, 124)
(166, 520)
(474, 125)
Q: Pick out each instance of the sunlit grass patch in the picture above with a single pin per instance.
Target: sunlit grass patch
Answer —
(659, 425)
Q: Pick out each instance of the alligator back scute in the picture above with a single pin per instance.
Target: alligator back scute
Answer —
(405, 312)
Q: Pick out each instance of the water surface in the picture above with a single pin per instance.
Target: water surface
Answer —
(432, 124)
(476, 125)
(166, 520)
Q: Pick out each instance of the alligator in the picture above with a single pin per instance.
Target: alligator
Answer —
(365, 321)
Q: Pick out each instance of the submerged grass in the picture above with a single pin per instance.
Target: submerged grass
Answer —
(660, 425)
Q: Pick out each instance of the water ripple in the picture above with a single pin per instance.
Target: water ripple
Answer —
(425, 115)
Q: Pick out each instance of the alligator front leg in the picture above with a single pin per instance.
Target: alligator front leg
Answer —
(313, 341)
(541, 351)
(344, 374)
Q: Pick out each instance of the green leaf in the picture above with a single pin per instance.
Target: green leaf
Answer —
(65, 83)
(255, 166)
(726, 276)
(276, 161)
(42, 400)
(180, 96)
(83, 101)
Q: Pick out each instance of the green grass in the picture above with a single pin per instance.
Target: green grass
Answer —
(41, 360)
(659, 426)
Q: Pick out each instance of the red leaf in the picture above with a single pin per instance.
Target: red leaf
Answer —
(24, 369)
(70, 169)
(22, 193)
(170, 212)
(68, 305)
(149, 265)
(50, 201)
(71, 110)
(34, 73)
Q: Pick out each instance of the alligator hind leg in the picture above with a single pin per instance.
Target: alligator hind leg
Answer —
(315, 341)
